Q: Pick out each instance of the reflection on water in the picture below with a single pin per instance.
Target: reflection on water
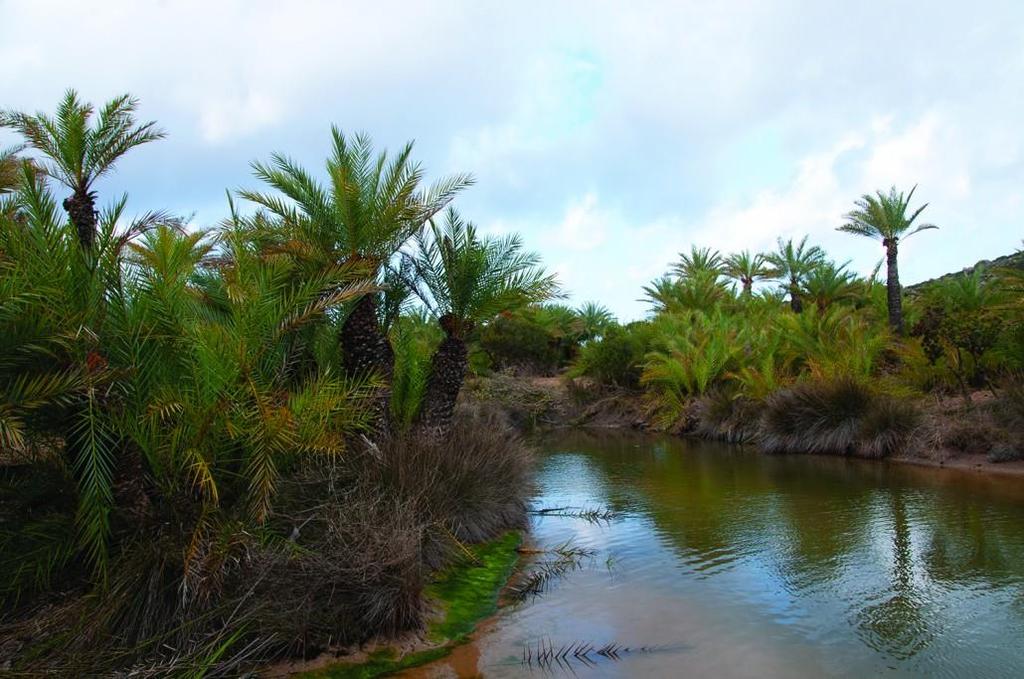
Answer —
(735, 564)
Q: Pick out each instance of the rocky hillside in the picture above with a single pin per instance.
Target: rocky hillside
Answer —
(1016, 261)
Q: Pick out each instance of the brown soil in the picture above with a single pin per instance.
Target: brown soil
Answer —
(974, 463)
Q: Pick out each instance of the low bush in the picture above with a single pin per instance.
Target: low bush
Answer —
(723, 415)
(970, 433)
(616, 359)
(525, 404)
(514, 343)
(841, 416)
(1005, 451)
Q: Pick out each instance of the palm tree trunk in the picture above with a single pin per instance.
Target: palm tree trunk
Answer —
(447, 373)
(81, 208)
(795, 302)
(893, 291)
(748, 283)
(366, 351)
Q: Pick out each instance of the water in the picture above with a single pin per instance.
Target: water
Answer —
(733, 564)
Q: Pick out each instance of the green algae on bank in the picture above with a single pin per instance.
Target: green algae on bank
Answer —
(465, 593)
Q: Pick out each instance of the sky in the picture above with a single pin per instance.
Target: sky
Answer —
(610, 135)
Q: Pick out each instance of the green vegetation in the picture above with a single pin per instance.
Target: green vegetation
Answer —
(208, 450)
(831, 371)
(468, 591)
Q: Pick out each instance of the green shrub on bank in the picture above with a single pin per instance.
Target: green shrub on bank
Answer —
(516, 342)
(616, 359)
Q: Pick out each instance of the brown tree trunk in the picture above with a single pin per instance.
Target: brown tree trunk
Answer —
(447, 373)
(795, 302)
(81, 208)
(894, 293)
(366, 351)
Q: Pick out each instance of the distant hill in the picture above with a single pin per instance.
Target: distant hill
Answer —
(1014, 261)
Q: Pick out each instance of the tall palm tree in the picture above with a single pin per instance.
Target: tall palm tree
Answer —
(464, 279)
(79, 151)
(372, 206)
(792, 264)
(698, 262)
(884, 217)
(747, 269)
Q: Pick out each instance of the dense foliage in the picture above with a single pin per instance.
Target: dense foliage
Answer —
(205, 435)
(727, 356)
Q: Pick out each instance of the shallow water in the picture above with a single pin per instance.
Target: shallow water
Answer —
(732, 564)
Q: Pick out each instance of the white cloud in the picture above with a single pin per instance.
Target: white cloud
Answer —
(584, 225)
(232, 117)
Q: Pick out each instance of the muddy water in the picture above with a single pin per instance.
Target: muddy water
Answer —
(726, 563)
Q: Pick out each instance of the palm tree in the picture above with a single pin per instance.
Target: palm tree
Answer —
(699, 262)
(596, 319)
(701, 291)
(884, 217)
(747, 269)
(371, 208)
(464, 279)
(79, 152)
(792, 264)
(829, 283)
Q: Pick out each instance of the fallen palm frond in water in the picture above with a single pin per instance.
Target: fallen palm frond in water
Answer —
(545, 655)
(593, 515)
(536, 582)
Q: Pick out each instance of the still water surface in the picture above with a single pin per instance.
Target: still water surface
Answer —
(734, 564)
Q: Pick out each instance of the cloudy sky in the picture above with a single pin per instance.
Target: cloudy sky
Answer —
(610, 135)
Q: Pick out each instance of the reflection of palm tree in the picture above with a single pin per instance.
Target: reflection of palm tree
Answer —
(898, 625)
(817, 549)
(903, 560)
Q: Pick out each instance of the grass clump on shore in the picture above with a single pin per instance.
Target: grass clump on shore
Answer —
(461, 595)
(838, 417)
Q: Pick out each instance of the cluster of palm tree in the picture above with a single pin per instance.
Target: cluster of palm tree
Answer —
(167, 370)
(802, 270)
(718, 325)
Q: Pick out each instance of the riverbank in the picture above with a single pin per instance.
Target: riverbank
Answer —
(946, 433)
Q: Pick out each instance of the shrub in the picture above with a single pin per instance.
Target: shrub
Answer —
(617, 358)
(515, 342)
(472, 486)
(840, 416)
(727, 416)
(1005, 451)
(969, 434)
